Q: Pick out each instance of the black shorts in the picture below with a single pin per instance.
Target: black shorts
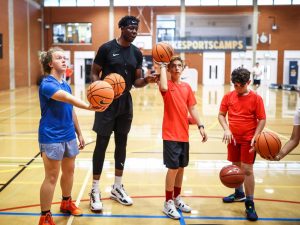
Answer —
(176, 154)
(256, 82)
(117, 117)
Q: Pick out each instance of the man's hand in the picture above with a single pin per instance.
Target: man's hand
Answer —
(152, 78)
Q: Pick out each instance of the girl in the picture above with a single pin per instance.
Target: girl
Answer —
(57, 139)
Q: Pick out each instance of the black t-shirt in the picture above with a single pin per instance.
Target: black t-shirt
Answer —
(114, 58)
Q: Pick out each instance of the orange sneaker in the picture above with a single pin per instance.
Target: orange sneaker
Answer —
(46, 219)
(67, 206)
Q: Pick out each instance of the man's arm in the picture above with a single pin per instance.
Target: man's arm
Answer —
(142, 82)
(96, 70)
(291, 144)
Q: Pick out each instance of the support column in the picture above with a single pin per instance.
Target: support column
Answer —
(254, 30)
(11, 45)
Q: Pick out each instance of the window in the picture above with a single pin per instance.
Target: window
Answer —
(244, 2)
(264, 2)
(76, 3)
(146, 3)
(67, 3)
(227, 2)
(282, 2)
(51, 3)
(166, 30)
(192, 2)
(72, 33)
(209, 2)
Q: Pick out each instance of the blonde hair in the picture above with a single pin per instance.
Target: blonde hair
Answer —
(176, 58)
(46, 58)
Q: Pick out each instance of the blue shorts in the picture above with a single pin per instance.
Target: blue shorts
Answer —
(58, 151)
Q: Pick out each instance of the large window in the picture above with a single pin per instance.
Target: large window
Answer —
(166, 30)
(166, 3)
(72, 33)
(76, 3)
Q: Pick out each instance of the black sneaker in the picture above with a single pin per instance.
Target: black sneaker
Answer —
(250, 211)
(236, 197)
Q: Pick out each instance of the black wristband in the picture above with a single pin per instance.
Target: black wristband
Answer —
(200, 126)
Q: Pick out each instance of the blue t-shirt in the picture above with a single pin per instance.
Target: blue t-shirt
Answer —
(56, 124)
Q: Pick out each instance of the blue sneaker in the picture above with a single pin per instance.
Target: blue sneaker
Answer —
(250, 211)
(236, 197)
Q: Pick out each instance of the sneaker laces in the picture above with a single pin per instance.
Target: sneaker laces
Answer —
(48, 217)
(121, 191)
(95, 196)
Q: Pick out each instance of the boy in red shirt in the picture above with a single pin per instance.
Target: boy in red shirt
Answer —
(178, 99)
(246, 118)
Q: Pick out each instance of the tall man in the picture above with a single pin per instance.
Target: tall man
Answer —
(116, 56)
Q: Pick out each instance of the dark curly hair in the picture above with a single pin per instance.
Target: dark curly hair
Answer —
(240, 75)
(127, 20)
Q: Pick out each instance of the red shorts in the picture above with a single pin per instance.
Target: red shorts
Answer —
(240, 153)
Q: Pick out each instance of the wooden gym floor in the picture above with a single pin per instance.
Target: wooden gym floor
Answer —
(21, 169)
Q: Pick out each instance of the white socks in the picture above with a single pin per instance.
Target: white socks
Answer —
(118, 181)
(95, 185)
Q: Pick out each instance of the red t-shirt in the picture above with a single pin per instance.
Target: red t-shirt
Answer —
(69, 72)
(176, 102)
(243, 114)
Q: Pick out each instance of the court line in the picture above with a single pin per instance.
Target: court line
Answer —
(157, 196)
(9, 108)
(18, 173)
(126, 216)
(181, 220)
(79, 197)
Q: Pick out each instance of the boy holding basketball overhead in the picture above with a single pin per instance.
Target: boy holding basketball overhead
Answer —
(246, 119)
(178, 100)
(122, 57)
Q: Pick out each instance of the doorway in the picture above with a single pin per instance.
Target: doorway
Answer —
(83, 61)
(213, 68)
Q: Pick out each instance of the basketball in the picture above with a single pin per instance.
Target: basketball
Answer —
(162, 52)
(267, 145)
(232, 176)
(100, 94)
(117, 82)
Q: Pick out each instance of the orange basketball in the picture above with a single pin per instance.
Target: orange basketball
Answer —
(232, 176)
(267, 145)
(117, 82)
(100, 93)
(162, 52)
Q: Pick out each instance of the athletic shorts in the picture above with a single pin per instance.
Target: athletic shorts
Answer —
(256, 82)
(239, 152)
(176, 154)
(58, 151)
(117, 117)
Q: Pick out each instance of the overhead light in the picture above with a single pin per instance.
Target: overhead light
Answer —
(274, 27)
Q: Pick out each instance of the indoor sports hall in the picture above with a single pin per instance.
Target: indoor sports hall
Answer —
(213, 37)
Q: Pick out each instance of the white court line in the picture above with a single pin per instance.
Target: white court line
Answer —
(79, 197)
(282, 136)
(9, 108)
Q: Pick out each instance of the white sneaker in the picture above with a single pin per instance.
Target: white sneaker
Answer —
(170, 210)
(95, 201)
(180, 204)
(119, 194)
